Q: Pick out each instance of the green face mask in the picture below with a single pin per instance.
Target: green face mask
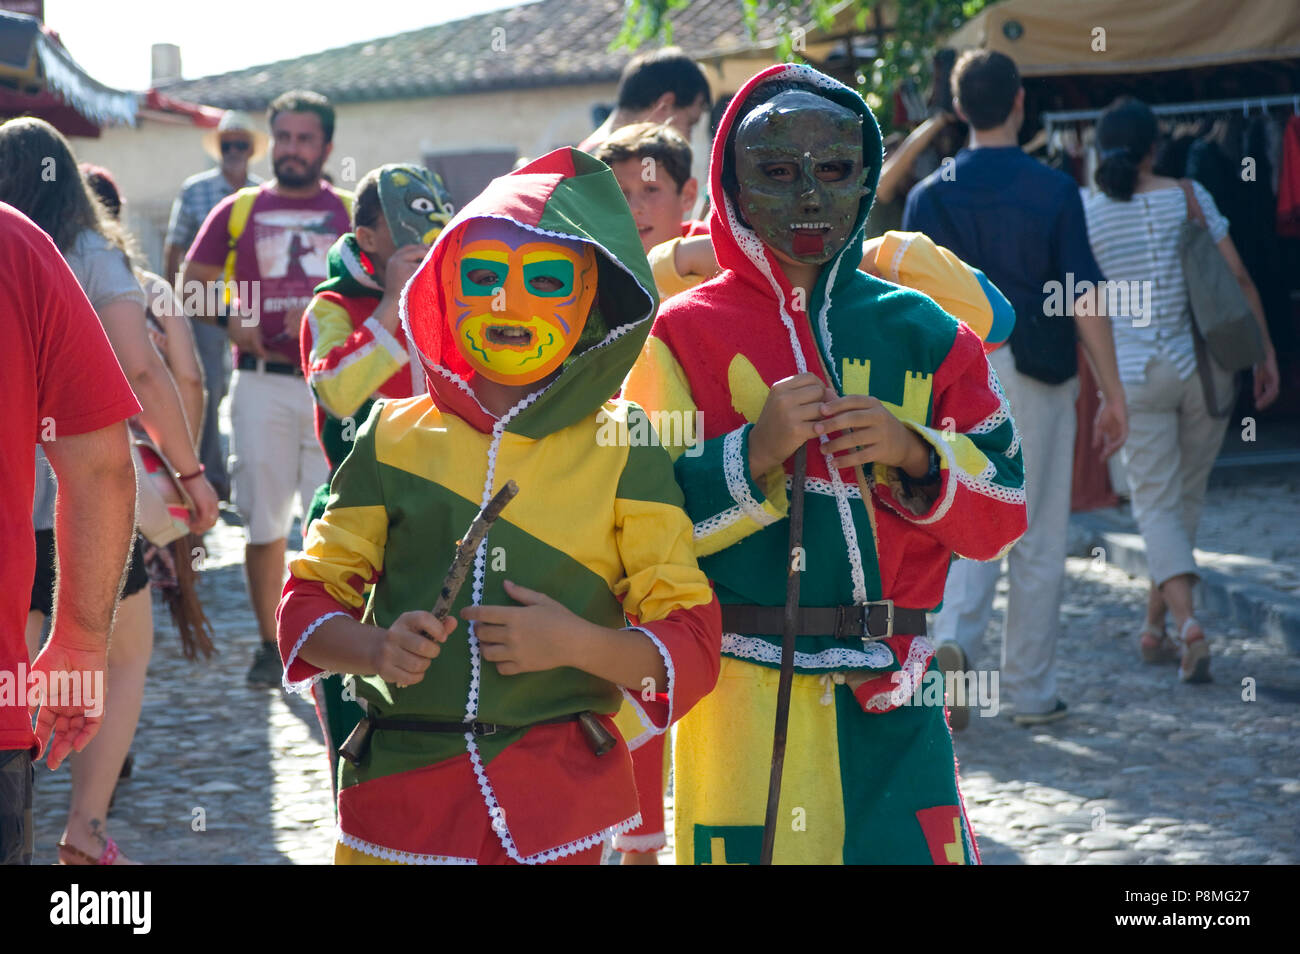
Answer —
(415, 203)
(800, 174)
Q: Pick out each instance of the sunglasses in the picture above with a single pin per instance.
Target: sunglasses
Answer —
(236, 145)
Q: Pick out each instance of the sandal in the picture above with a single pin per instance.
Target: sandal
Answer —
(1195, 663)
(1156, 646)
(109, 855)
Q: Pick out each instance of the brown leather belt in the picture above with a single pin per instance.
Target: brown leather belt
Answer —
(875, 620)
(478, 729)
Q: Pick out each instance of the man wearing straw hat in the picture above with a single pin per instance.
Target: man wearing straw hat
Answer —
(234, 144)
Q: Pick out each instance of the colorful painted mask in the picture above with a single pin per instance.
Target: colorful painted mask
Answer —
(517, 301)
(415, 203)
(800, 174)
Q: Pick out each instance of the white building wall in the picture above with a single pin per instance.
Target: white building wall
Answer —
(150, 161)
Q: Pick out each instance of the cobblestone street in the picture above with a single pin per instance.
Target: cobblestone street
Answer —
(1144, 770)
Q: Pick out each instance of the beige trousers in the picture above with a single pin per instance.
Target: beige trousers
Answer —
(1171, 446)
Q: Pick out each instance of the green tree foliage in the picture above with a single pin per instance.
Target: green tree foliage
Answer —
(904, 54)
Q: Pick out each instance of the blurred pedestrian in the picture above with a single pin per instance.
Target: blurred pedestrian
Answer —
(278, 235)
(234, 144)
(661, 86)
(171, 569)
(1022, 224)
(98, 251)
(1134, 225)
(57, 356)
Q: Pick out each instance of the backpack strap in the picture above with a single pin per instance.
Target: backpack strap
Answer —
(239, 213)
(348, 200)
(1193, 207)
(1208, 390)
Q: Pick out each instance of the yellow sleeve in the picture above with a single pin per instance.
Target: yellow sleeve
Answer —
(348, 364)
(913, 260)
(663, 266)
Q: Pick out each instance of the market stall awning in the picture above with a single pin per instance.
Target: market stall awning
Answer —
(38, 77)
(1059, 37)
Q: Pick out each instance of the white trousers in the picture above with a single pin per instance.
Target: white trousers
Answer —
(1045, 417)
(274, 454)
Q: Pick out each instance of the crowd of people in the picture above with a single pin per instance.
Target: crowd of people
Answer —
(394, 363)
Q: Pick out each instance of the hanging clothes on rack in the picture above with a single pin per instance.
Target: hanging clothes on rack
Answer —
(1288, 190)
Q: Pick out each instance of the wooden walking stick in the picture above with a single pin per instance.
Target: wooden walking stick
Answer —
(789, 626)
(468, 545)
(357, 743)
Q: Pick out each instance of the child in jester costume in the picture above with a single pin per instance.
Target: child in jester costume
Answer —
(354, 349)
(912, 457)
(526, 316)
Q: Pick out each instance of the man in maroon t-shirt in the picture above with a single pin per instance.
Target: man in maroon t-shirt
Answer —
(280, 257)
(60, 385)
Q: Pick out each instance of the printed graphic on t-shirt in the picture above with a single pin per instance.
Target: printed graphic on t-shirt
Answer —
(291, 247)
(292, 243)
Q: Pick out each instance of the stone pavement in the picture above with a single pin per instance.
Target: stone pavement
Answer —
(1249, 552)
(1144, 770)
(248, 766)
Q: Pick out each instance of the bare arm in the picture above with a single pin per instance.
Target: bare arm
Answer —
(1111, 426)
(1266, 374)
(94, 516)
(183, 361)
(196, 275)
(173, 258)
(901, 160)
(243, 331)
(162, 414)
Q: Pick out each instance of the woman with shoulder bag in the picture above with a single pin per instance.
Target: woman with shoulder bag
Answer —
(97, 250)
(1136, 226)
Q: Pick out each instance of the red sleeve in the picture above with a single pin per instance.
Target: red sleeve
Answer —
(80, 384)
(213, 241)
(690, 642)
(980, 508)
(304, 605)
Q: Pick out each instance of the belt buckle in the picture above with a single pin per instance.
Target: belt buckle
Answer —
(889, 620)
(481, 729)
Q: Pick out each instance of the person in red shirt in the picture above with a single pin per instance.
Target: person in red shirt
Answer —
(57, 355)
(280, 257)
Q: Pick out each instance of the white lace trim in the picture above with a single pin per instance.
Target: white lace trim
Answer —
(873, 655)
(401, 857)
(635, 698)
(497, 814)
(986, 488)
(913, 668)
(303, 685)
(386, 338)
(847, 527)
(480, 555)
(935, 440)
(719, 521)
(823, 319)
(733, 469)
(896, 262)
(820, 485)
(640, 842)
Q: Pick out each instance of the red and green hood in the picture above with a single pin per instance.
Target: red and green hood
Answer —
(569, 194)
(737, 246)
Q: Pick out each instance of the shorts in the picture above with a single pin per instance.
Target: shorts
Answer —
(274, 454)
(137, 577)
(16, 829)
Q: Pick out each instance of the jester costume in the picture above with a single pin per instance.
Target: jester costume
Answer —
(542, 273)
(869, 778)
(349, 359)
(904, 258)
